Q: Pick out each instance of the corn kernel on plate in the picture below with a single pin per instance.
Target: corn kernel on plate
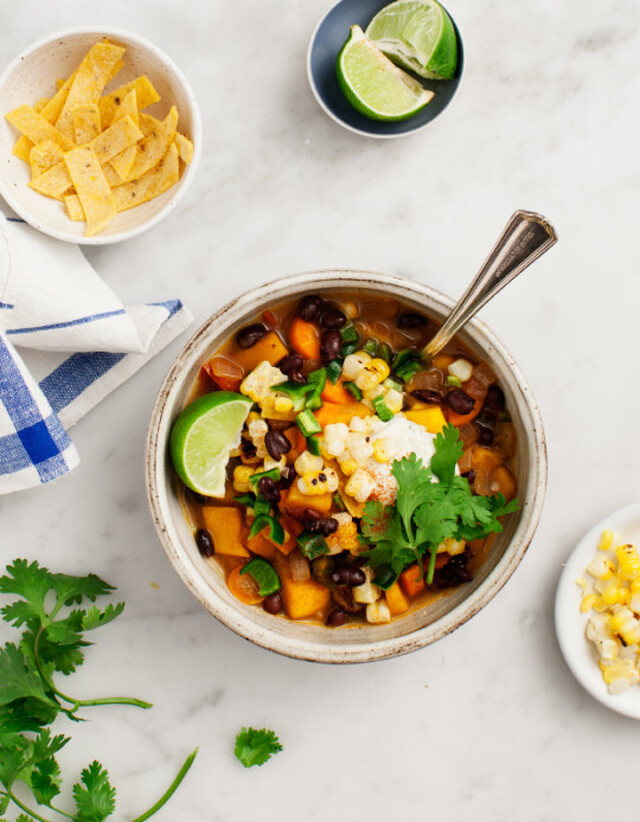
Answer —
(596, 613)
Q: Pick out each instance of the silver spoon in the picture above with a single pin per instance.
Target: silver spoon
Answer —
(526, 237)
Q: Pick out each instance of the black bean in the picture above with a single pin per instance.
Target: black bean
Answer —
(332, 318)
(287, 476)
(248, 336)
(310, 518)
(348, 575)
(485, 435)
(455, 572)
(297, 377)
(277, 444)
(336, 618)
(495, 398)
(330, 344)
(428, 396)
(320, 525)
(248, 448)
(459, 402)
(292, 362)
(274, 603)
(309, 306)
(204, 542)
(278, 425)
(488, 418)
(343, 596)
(268, 489)
(411, 319)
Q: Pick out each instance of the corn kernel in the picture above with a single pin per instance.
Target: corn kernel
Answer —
(379, 367)
(383, 450)
(628, 562)
(606, 541)
(394, 400)
(359, 485)
(587, 603)
(308, 463)
(283, 404)
(354, 363)
(241, 476)
(348, 465)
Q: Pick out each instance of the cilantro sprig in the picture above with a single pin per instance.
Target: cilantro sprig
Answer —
(255, 747)
(52, 642)
(432, 504)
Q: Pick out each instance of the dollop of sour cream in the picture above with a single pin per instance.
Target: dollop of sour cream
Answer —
(400, 437)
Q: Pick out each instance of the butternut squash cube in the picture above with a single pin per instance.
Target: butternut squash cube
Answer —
(304, 599)
(227, 529)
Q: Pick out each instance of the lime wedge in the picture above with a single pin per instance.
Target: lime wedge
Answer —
(203, 436)
(418, 35)
(374, 85)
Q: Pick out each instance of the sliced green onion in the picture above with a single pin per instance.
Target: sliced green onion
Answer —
(381, 408)
(307, 423)
(334, 369)
(312, 545)
(385, 577)
(353, 389)
(313, 445)
(276, 531)
(272, 473)
(455, 381)
(406, 372)
(264, 574)
(384, 352)
(349, 334)
(391, 383)
(371, 347)
(348, 348)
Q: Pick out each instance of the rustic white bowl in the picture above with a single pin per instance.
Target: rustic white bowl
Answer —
(33, 75)
(357, 643)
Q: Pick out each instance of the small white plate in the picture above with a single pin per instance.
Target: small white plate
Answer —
(579, 653)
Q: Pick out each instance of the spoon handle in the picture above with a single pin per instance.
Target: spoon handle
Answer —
(525, 238)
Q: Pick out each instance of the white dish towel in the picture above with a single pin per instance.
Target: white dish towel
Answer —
(66, 341)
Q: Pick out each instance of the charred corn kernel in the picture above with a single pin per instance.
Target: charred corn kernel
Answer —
(628, 562)
(359, 485)
(394, 400)
(619, 674)
(451, 546)
(359, 425)
(283, 404)
(383, 450)
(347, 464)
(373, 392)
(375, 372)
(379, 367)
(600, 605)
(241, 475)
(606, 541)
(270, 464)
(308, 463)
(378, 612)
(588, 602)
(354, 363)
(346, 537)
(611, 594)
(634, 603)
(359, 446)
(258, 429)
(462, 369)
(314, 483)
(335, 435)
(258, 383)
(624, 623)
(600, 567)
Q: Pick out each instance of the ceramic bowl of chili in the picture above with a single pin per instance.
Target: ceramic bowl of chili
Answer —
(359, 641)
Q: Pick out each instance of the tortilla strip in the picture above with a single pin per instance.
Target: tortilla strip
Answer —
(145, 93)
(55, 181)
(44, 156)
(150, 185)
(93, 190)
(86, 123)
(153, 148)
(50, 111)
(92, 76)
(74, 207)
(36, 128)
(122, 163)
(185, 147)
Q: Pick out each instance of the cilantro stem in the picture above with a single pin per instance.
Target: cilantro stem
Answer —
(62, 813)
(24, 808)
(166, 796)
(432, 565)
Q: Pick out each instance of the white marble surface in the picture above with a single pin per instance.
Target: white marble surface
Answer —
(488, 723)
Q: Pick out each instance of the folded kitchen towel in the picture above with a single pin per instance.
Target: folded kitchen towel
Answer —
(66, 341)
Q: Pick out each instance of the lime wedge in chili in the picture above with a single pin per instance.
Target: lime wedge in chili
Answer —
(202, 438)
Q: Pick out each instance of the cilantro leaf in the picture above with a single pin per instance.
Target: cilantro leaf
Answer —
(17, 679)
(448, 450)
(29, 581)
(94, 795)
(4, 802)
(255, 747)
(74, 589)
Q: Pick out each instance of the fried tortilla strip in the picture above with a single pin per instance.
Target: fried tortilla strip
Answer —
(74, 207)
(93, 74)
(86, 123)
(154, 146)
(44, 156)
(185, 148)
(145, 93)
(55, 181)
(122, 163)
(93, 190)
(150, 185)
(128, 108)
(36, 128)
(50, 111)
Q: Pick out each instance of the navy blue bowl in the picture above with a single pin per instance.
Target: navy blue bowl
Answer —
(329, 37)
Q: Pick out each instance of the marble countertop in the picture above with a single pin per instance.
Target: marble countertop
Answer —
(488, 723)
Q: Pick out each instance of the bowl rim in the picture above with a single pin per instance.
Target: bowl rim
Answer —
(188, 173)
(300, 648)
(362, 131)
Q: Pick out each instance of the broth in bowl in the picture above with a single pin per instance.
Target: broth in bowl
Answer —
(331, 474)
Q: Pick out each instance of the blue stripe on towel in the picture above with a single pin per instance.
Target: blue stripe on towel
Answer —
(6, 305)
(80, 321)
(63, 385)
(172, 306)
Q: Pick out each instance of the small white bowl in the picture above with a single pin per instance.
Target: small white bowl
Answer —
(579, 653)
(356, 643)
(33, 75)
